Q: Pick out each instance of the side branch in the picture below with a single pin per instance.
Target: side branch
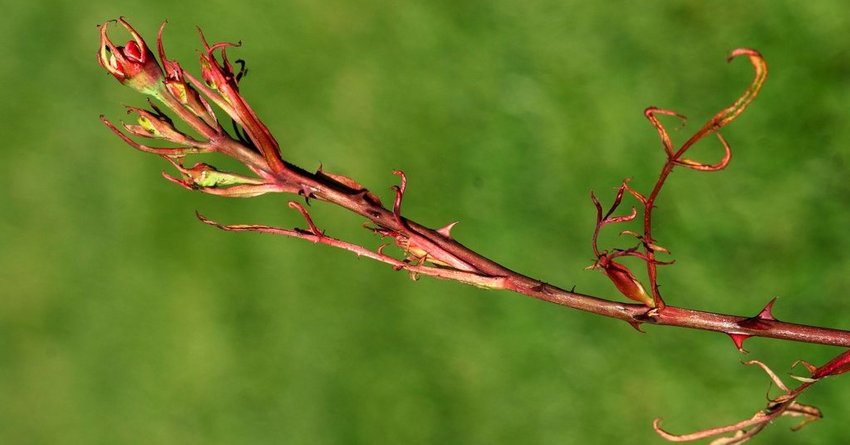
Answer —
(501, 277)
(634, 314)
(318, 237)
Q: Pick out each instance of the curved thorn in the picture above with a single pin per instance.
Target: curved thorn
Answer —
(636, 325)
(446, 230)
(739, 339)
(767, 312)
(761, 320)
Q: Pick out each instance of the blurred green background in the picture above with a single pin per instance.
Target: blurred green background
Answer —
(124, 320)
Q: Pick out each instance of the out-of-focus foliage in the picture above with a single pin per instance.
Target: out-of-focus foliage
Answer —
(124, 320)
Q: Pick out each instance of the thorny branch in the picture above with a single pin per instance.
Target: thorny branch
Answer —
(434, 252)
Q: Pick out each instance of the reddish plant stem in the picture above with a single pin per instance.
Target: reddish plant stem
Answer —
(673, 160)
(674, 157)
(635, 314)
(651, 265)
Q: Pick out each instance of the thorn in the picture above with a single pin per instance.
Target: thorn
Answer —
(767, 312)
(541, 287)
(369, 198)
(573, 289)
(447, 230)
(738, 339)
(759, 321)
(307, 193)
(636, 325)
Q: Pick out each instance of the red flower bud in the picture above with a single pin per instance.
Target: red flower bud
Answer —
(176, 85)
(133, 64)
(624, 280)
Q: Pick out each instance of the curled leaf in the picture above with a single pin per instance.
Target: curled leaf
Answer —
(662, 132)
(720, 165)
(731, 112)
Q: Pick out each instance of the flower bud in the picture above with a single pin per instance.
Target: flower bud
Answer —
(156, 126)
(208, 179)
(133, 64)
(189, 97)
(624, 280)
(175, 84)
(205, 175)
